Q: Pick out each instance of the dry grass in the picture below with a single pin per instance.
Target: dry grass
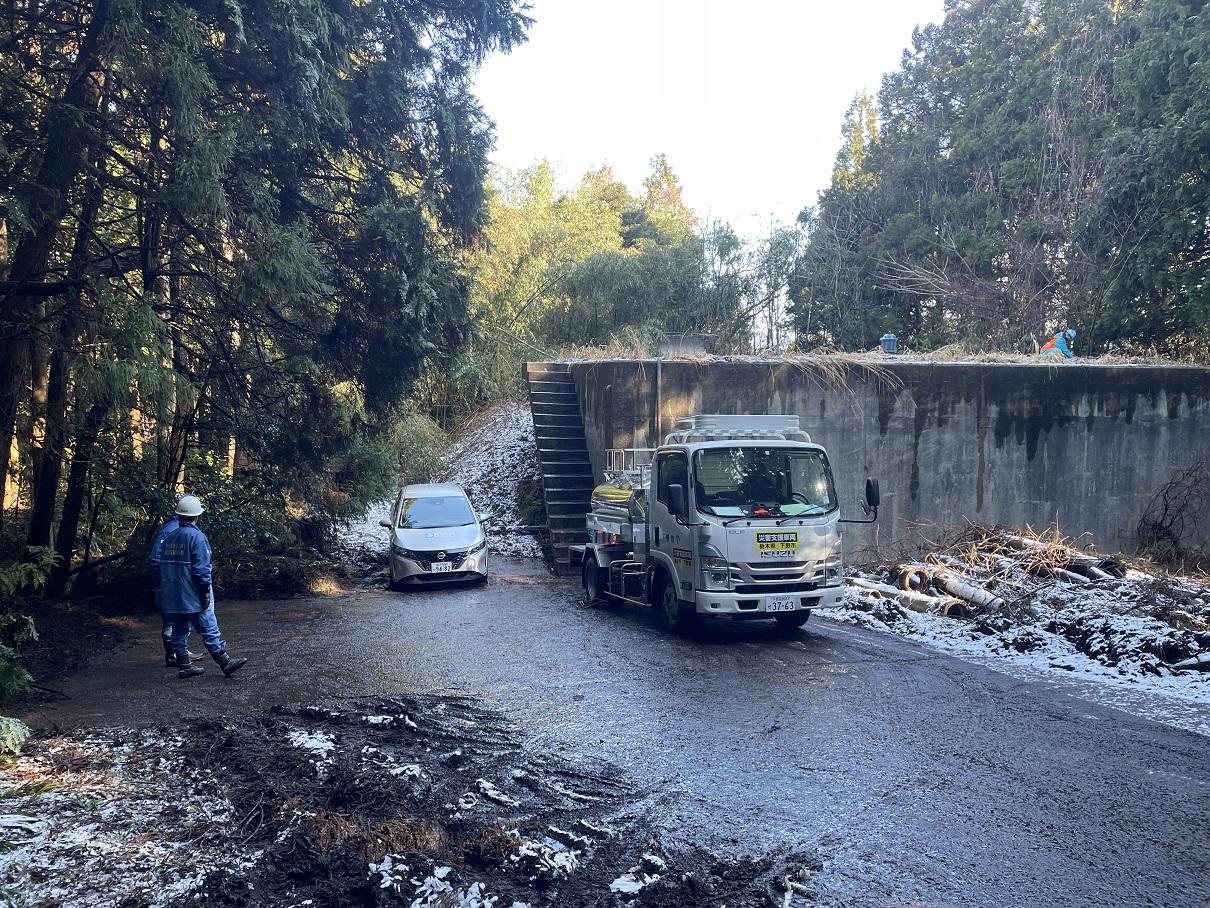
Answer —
(875, 359)
(325, 830)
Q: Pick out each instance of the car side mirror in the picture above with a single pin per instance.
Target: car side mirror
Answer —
(677, 506)
(485, 515)
(385, 523)
(872, 498)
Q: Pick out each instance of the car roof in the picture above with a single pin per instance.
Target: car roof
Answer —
(432, 490)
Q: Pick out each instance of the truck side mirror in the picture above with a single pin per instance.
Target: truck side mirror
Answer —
(872, 498)
(676, 500)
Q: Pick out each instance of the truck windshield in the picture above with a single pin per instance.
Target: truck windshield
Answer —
(435, 511)
(763, 482)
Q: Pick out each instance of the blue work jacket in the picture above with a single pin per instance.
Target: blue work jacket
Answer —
(157, 548)
(185, 575)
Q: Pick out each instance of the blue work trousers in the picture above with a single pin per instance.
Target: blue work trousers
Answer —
(204, 623)
(166, 618)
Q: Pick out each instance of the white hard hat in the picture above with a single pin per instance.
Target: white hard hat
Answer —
(189, 506)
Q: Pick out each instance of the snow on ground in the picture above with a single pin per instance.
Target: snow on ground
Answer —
(492, 459)
(1117, 641)
(108, 820)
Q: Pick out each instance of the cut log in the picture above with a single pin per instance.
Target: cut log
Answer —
(967, 591)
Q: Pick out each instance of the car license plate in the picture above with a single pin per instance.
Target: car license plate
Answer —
(780, 604)
(442, 567)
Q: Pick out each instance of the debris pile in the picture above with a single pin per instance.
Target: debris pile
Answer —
(1041, 599)
(431, 802)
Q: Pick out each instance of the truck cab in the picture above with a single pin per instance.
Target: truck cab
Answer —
(739, 518)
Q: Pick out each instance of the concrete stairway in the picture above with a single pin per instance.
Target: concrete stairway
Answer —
(567, 480)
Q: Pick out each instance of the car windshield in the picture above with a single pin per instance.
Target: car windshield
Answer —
(434, 511)
(763, 482)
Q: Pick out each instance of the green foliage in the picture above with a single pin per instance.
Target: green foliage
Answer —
(420, 445)
(13, 732)
(28, 574)
(266, 210)
(1031, 164)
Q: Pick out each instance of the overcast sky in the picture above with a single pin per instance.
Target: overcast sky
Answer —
(744, 96)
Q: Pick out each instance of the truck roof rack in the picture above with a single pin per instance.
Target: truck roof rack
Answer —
(720, 427)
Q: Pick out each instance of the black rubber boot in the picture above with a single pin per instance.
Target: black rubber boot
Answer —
(170, 654)
(185, 668)
(227, 664)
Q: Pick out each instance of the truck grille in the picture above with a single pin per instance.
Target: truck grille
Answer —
(782, 577)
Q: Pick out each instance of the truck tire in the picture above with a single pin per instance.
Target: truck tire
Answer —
(593, 579)
(792, 621)
(676, 616)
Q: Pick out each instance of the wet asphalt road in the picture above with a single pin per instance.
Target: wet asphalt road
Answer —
(917, 778)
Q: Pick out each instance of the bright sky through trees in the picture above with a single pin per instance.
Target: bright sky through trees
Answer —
(746, 99)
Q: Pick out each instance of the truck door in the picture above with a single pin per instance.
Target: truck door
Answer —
(671, 542)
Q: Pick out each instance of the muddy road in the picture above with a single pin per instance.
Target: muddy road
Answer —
(914, 777)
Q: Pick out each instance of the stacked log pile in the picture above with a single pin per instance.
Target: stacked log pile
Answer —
(998, 579)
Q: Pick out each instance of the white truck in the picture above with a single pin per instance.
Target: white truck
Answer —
(732, 515)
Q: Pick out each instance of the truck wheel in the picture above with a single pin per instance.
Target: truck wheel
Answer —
(594, 582)
(792, 621)
(676, 616)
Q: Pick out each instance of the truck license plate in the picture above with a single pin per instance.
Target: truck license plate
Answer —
(442, 567)
(780, 604)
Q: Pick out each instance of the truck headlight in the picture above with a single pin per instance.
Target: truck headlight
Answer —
(716, 573)
(832, 569)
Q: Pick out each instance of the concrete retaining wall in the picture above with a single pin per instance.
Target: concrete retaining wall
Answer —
(1082, 444)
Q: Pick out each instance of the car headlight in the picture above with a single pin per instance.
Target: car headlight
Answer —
(832, 569)
(716, 572)
(402, 552)
(478, 546)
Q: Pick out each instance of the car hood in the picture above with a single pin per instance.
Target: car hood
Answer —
(453, 539)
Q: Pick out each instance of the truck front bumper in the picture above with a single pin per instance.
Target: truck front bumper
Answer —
(757, 604)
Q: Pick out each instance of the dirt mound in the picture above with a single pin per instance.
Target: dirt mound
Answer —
(431, 802)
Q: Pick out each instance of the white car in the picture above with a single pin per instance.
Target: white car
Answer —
(436, 537)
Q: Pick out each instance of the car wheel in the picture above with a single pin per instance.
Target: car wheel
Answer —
(792, 621)
(677, 617)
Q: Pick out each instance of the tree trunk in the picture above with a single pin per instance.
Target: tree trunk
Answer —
(66, 141)
(73, 501)
(46, 477)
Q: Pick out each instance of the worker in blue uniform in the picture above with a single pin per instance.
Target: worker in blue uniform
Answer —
(187, 591)
(153, 562)
(1059, 344)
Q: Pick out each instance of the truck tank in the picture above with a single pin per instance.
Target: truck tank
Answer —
(619, 514)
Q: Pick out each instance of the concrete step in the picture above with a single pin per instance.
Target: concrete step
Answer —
(578, 506)
(558, 419)
(555, 408)
(554, 397)
(541, 433)
(547, 369)
(566, 522)
(552, 383)
(568, 468)
(582, 483)
(563, 446)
